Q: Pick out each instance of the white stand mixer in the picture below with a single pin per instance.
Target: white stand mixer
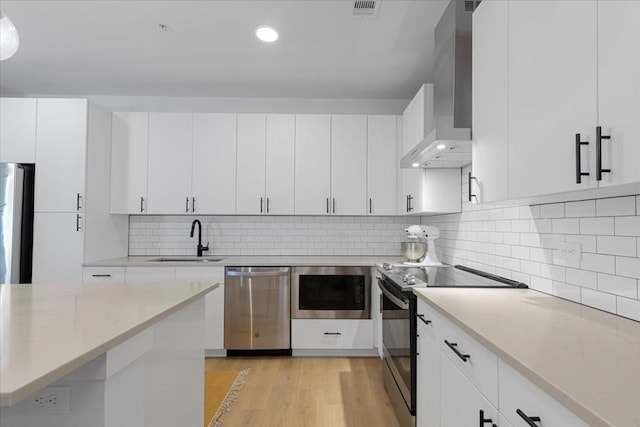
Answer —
(430, 234)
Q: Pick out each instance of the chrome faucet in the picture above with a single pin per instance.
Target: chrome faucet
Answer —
(200, 247)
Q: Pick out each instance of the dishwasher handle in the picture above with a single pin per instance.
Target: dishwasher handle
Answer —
(276, 273)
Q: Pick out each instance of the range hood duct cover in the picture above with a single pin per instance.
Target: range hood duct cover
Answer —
(452, 88)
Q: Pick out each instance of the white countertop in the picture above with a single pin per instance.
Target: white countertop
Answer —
(586, 359)
(247, 261)
(48, 331)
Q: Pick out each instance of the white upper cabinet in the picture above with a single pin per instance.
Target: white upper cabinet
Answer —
(18, 130)
(129, 151)
(552, 95)
(312, 164)
(280, 176)
(348, 164)
(251, 164)
(61, 147)
(490, 102)
(619, 89)
(214, 163)
(382, 165)
(170, 163)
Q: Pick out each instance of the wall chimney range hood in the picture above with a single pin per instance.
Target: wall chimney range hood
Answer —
(447, 134)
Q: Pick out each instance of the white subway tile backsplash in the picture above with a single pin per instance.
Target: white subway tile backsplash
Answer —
(554, 272)
(628, 267)
(627, 226)
(617, 206)
(586, 208)
(614, 245)
(554, 210)
(587, 243)
(629, 308)
(600, 263)
(623, 286)
(599, 300)
(582, 278)
(566, 291)
(602, 226)
(520, 225)
(542, 285)
(565, 226)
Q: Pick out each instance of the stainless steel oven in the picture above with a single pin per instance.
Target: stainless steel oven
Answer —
(331, 293)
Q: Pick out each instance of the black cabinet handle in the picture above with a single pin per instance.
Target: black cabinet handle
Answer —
(529, 420)
(261, 205)
(579, 173)
(333, 333)
(421, 317)
(469, 183)
(599, 138)
(409, 203)
(334, 205)
(267, 205)
(327, 205)
(484, 420)
(370, 206)
(454, 346)
(141, 204)
(78, 197)
(78, 218)
(186, 208)
(193, 204)
(100, 275)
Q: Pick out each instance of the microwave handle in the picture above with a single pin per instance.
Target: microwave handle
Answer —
(394, 299)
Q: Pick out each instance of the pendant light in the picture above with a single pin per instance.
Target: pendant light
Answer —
(9, 39)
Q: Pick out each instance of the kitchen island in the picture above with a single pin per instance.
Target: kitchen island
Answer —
(114, 354)
(586, 360)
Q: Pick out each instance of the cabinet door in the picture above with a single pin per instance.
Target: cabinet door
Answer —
(552, 95)
(382, 167)
(428, 372)
(461, 402)
(150, 274)
(333, 334)
(18, 130)
(490, 108)
(442, 190)
(619, 89)
(58, 242)
(214, 302)
(250, 198)
(349, 164)
(129, 155)
(103, 275)
(313, 164)
(412, 190)
(214, 163)
(61, 147)
(170, 154)
(280, 164)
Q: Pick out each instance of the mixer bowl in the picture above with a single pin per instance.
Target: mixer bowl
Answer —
(413, 251)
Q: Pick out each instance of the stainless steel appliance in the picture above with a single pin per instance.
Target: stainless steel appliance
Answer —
(331, 293)
(398, 305)
(257, 313)
(16, 218)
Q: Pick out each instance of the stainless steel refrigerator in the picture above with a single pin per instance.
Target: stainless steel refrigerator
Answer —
(16, 221)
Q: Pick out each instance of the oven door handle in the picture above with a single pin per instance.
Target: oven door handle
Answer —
(394, 299)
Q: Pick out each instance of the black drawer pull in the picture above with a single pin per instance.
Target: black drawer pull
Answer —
(100, 275)
(529, 420)
(471, 195)
(333, 333)
(454, 346)
(579, 173)
(484, 420)
(599, 138)
(421, 317)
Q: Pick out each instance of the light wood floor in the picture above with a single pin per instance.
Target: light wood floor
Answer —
(308, 392)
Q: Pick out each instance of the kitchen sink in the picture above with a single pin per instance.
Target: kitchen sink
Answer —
(186, 259)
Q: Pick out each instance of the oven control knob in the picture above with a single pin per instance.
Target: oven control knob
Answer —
(409, 279)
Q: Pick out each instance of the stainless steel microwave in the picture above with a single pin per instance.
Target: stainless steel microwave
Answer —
(331, 293)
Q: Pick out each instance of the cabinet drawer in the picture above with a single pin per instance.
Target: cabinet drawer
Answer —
(150, 274)
(103, 275)
(331, 334)
(481, 366)
(518, 393)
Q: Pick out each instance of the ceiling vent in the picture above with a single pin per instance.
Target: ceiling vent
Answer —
(366, 7)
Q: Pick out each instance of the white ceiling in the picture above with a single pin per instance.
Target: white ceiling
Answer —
(117, 48)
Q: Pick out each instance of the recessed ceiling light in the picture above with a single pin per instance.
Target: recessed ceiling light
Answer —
(441, 146)
(415, 165)
(266, 34)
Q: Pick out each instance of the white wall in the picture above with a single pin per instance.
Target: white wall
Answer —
(520, 242)
(269, 235)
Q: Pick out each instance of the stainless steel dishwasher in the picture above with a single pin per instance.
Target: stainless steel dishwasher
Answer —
(257, 310)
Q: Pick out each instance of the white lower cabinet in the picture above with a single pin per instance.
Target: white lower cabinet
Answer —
(428, 363)
(103, 275)
(214, 302)
(520, 399)
(461, 401)
(330, 334)
(58, 247)
(150, 274)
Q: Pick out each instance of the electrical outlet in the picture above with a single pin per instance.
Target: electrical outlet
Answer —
(570, 251)
(50, 400)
